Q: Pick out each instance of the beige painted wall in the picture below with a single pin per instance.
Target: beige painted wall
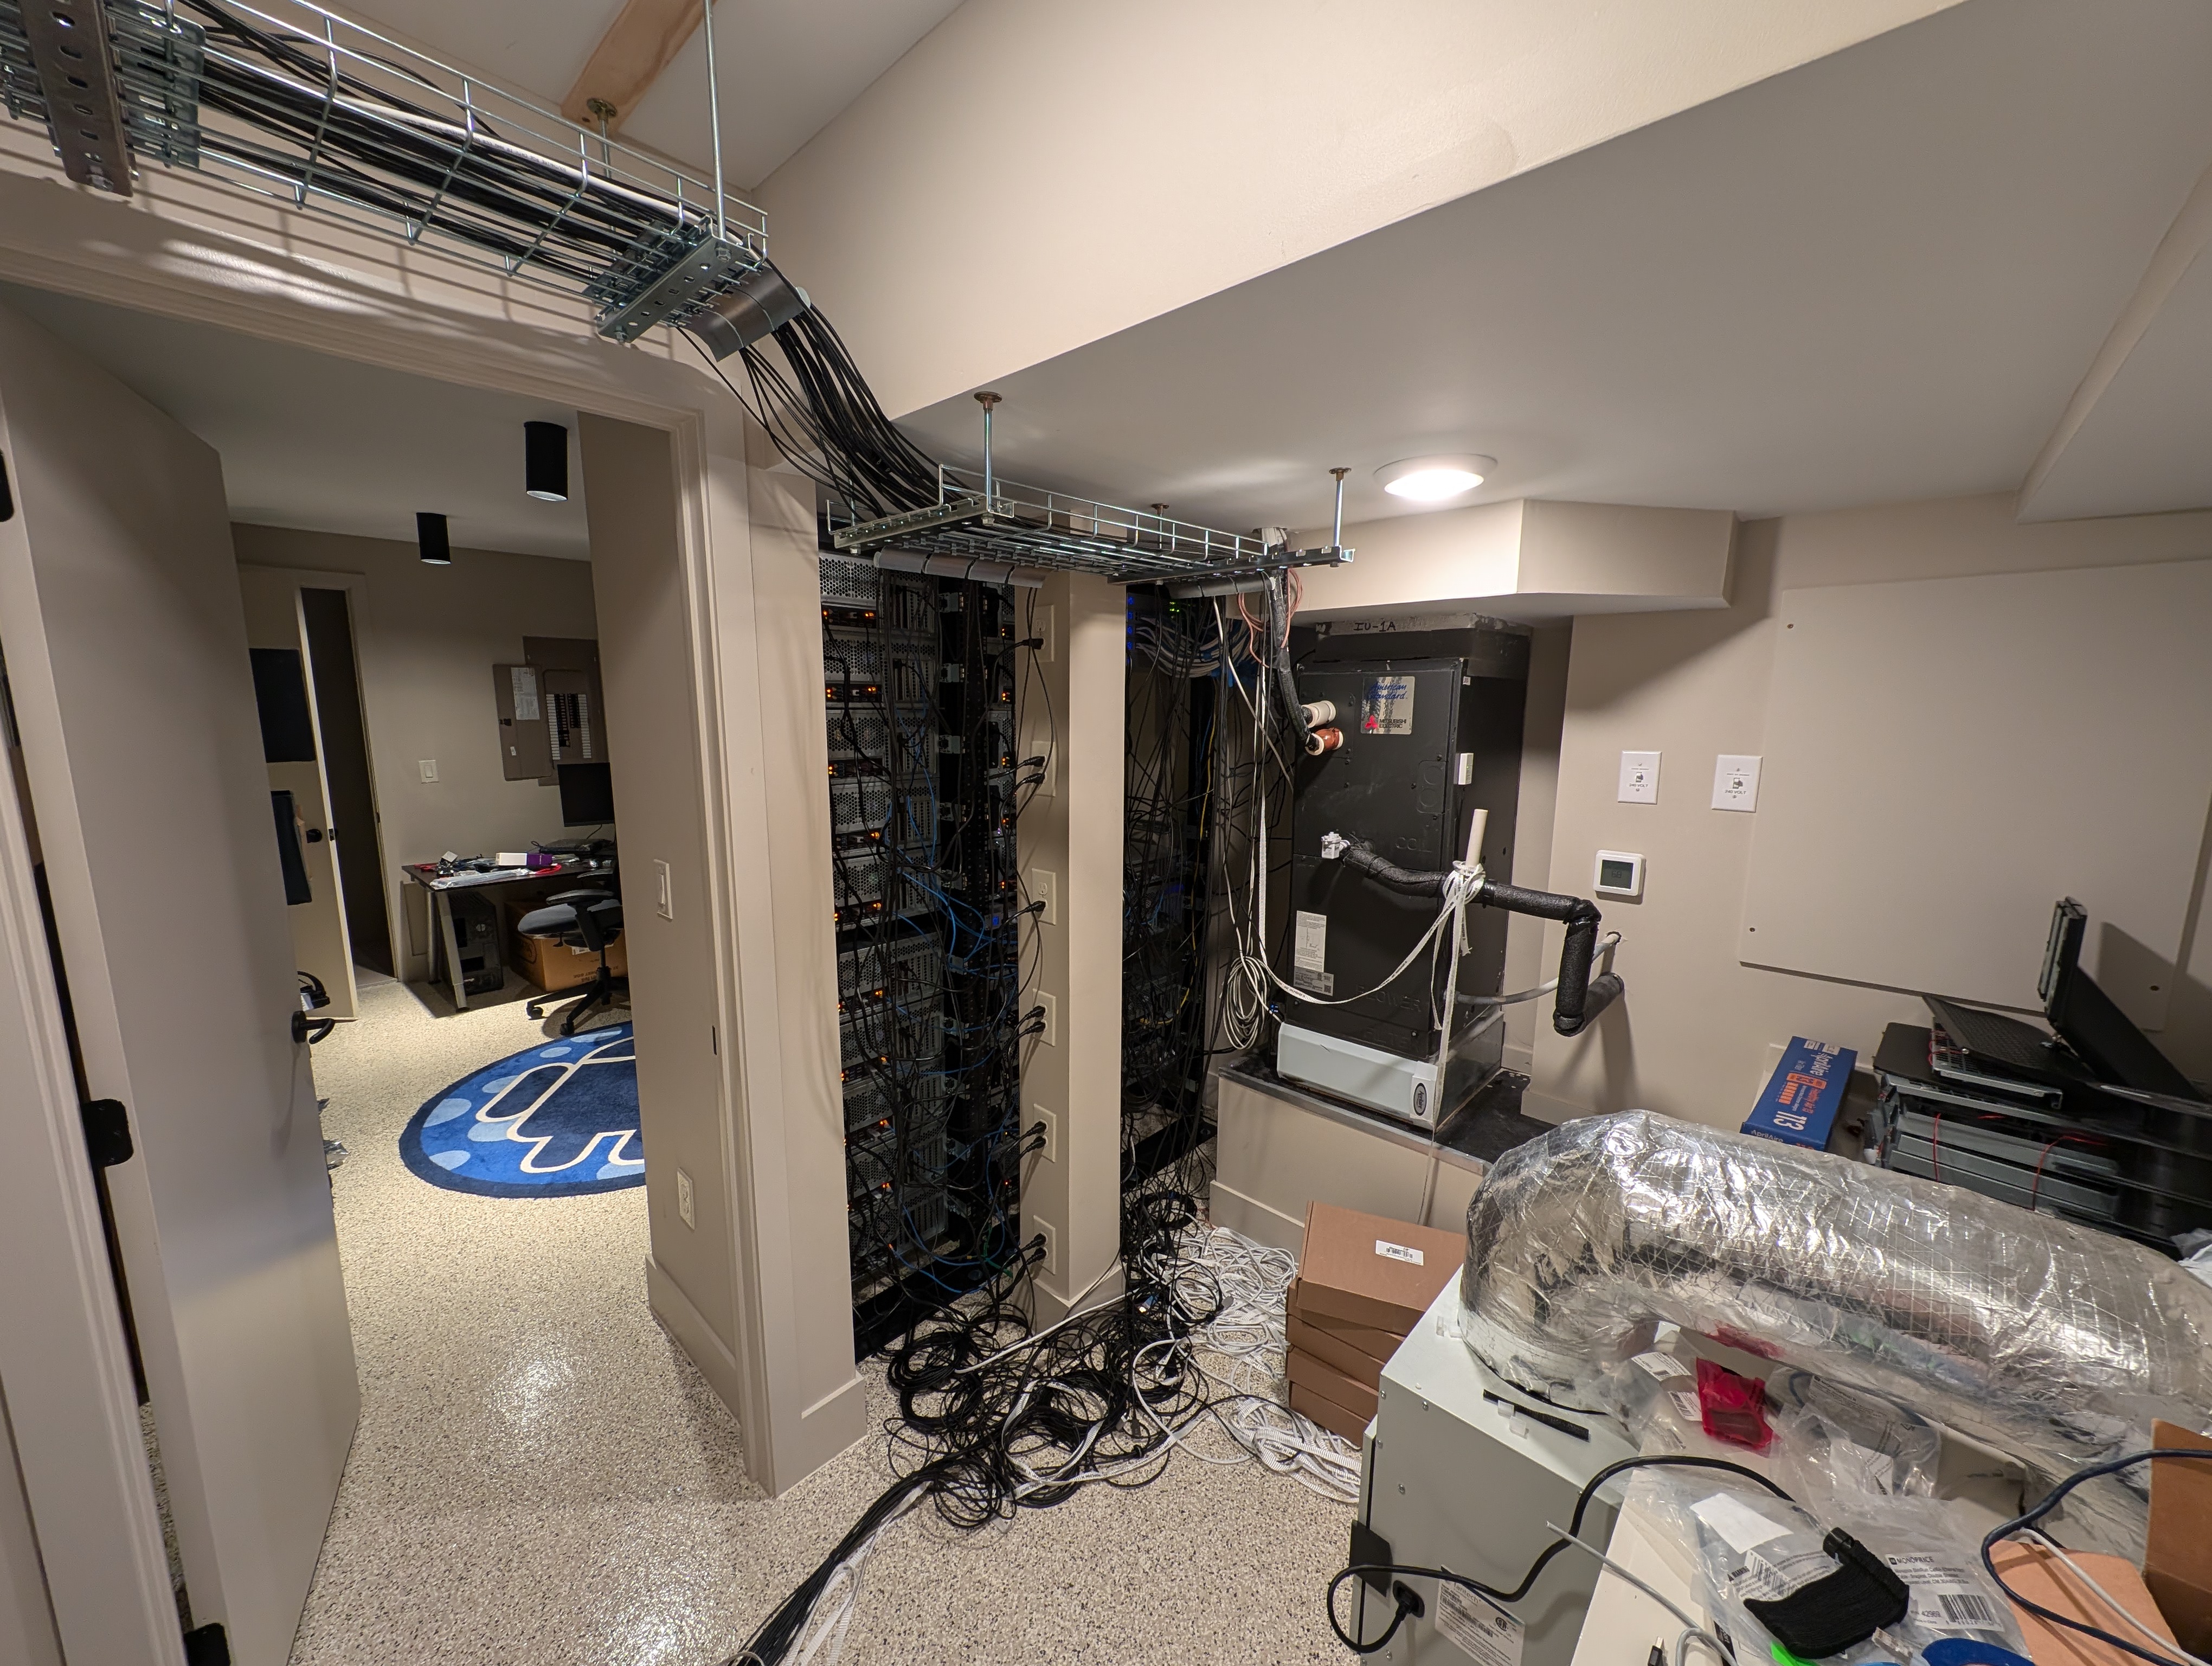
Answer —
(1691, 1039)
(428, 637)
(1295, 128)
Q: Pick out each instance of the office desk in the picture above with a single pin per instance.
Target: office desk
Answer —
(440, 891)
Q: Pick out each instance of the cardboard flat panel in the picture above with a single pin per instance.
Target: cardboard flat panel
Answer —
(1372, 1271)
(1365, 1338)
(1333, 1351)
(2041, 1578)
(1948, 757)
(2178, 1562)
(1337, 1419)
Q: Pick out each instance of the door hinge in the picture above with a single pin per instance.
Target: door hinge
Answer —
(207, 1646)
(106, 1133)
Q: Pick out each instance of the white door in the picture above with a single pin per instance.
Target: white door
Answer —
(320, 942)
(126, 656)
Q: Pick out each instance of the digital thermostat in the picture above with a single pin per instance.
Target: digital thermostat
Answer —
(1619, 874)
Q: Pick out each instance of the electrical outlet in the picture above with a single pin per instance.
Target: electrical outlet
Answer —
(429, 766)
(1050, 1150)
(1047, 785)
(1045, 622)
(684, 1201)
(1045, 888)
(1051, 1005)
(1051, 1236)
(665, 889)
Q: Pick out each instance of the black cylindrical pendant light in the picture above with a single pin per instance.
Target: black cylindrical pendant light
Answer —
(430, 539)
(545, 461)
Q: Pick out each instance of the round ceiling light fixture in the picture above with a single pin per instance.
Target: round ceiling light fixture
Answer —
(1435, 479)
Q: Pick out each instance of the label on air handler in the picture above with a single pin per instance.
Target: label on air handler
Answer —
(1309, 953)
(1387, 706)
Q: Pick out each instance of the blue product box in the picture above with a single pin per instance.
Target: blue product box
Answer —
(1803, 1095)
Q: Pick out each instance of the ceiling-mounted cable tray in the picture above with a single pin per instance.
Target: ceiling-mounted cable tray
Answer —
(1032, 526)
(296, 103)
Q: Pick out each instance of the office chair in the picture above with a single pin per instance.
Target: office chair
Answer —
(582, 919)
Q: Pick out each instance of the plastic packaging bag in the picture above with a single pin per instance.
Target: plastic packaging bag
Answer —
(1832, 1441)
(1747, 1545)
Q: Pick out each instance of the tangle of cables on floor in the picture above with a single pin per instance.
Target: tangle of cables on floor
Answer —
(996, 1417)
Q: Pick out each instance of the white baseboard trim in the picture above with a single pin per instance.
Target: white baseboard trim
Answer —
(689, 1326)
(825, 1428)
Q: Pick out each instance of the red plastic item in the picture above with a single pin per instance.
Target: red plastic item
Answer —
(1732, 1408)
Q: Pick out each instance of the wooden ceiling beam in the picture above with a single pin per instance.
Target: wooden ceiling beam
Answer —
(639, 45)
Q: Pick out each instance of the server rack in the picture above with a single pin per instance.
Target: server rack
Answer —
(920, 698)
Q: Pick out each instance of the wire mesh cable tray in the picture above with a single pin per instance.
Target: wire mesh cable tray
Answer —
(987, 517)
(296, 103)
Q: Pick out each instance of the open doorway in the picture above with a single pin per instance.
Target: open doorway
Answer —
(387, 691)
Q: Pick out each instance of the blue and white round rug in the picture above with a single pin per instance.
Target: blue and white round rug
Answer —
(554, 1120)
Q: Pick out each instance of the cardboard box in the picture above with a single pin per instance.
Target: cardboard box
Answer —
(1370, 1340)
(1337, 1419)
(1368, 1270)
(1319, 1376)
(552, 965)
(2178, 1561)
(1802, 1096)
(2041, 1578)
(1330, 1347)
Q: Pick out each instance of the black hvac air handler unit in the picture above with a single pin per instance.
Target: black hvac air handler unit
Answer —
(1431, 724)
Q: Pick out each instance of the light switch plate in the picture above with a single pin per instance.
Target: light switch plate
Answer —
(1735, 782)
(1639, 778)
(663, 885)
(429, 766)
(684, 1201)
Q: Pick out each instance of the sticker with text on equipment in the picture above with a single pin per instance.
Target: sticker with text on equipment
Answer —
(1387, 708)
(1945, 1594)
(1404, 1252)
(1488, 1635)
(1309, 953)
(1662, 1367)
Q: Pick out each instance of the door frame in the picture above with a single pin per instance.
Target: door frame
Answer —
(64, 1358)
(185, 249)
(355, 586)
(290, 579)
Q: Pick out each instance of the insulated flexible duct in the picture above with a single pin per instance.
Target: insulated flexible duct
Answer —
(2046, 1340)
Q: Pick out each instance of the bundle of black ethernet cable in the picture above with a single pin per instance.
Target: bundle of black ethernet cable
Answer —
(826, 419)
(996, 1417)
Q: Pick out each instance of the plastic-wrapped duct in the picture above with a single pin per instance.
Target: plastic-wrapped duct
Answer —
(2049, 1342)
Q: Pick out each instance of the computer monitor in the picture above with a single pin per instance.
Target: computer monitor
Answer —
(2102, 1035)
(587, 794)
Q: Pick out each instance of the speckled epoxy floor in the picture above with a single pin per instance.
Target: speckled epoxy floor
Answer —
(541, 1479)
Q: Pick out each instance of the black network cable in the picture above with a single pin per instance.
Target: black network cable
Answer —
(2051, 1501)
(1409, 1603)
